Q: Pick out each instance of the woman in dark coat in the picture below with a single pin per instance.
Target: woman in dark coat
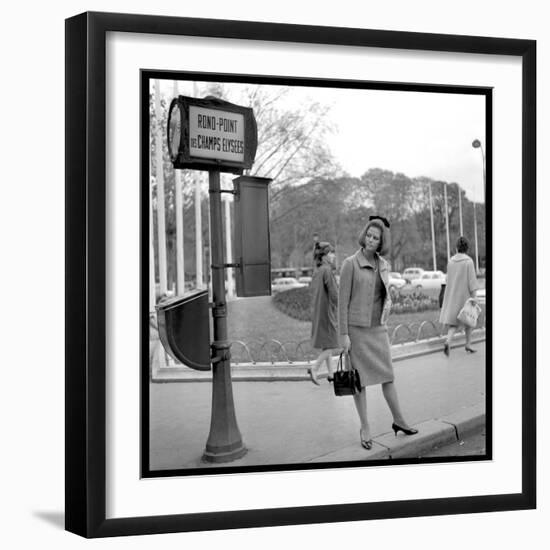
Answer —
(461, 286)
(364, 307)
(324, 301)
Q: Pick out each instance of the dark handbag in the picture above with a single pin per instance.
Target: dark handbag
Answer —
(346, 378)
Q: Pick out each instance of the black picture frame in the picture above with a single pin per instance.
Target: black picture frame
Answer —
(147, 79)
(86, 274)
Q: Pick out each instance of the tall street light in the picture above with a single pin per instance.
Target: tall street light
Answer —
(432, 225)
(476, 144)
(475, 238)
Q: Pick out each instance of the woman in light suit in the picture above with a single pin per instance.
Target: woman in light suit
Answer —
(461, 286)
(363, 310)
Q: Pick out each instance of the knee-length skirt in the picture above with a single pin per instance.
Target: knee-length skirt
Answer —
(370, 354)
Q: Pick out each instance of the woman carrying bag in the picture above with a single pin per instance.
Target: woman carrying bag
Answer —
(461, 287)
(363, 309)
(324, 298)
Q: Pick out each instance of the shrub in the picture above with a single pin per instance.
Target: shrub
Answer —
(296, 303)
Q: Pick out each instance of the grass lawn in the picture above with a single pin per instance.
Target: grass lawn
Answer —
(256, 321)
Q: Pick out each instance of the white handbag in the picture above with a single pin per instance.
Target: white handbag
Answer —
(469, 313)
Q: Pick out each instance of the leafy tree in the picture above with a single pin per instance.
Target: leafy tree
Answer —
(395, 196)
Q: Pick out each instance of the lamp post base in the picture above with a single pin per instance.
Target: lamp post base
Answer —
(218, 457)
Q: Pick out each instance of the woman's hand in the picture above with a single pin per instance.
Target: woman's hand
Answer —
(346, 342)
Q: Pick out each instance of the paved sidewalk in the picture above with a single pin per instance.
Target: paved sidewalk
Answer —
(294, 422)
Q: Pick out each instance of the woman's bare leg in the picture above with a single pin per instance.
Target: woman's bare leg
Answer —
(390, 394)
(360, 400)
(450, 334)
(328, 361)
(323, 356)
(468, 331)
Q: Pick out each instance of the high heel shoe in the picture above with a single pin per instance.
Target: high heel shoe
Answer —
(407, 431)
(446, 350)
(365, 443)
(470, 350)
(313, 377)
(330, 379)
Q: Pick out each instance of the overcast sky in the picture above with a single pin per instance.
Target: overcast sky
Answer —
(416, 133)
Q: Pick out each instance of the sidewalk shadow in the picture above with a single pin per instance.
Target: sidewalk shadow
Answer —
(57, 519)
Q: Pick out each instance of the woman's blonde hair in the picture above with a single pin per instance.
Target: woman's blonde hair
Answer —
(384, 247)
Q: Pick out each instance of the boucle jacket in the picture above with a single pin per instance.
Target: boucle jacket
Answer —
(356, 293)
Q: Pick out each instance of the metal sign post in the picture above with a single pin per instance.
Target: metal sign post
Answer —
(214, 135)
(224, 441)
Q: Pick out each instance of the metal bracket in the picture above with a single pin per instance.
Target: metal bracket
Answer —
(223, 191)
(220, 351)
(219, 310)
(224, 266)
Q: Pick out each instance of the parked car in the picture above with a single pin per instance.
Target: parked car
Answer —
(430, 280)
(304, 280)
(396, 281)
(285, 283)
(412, 273)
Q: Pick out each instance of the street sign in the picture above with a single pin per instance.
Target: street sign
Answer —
(211, 134)
(218, 136)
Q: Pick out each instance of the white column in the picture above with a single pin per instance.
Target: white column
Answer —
(161, 225)
(198, 220)
(152, 300)
(198, 232)
(432, 226)
(180, 265)
(228, 249)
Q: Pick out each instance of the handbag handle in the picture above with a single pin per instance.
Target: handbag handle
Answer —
(340, 366)
(475, 304)
(347, 359)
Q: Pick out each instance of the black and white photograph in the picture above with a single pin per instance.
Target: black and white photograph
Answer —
(315, 273)
(274, 275)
